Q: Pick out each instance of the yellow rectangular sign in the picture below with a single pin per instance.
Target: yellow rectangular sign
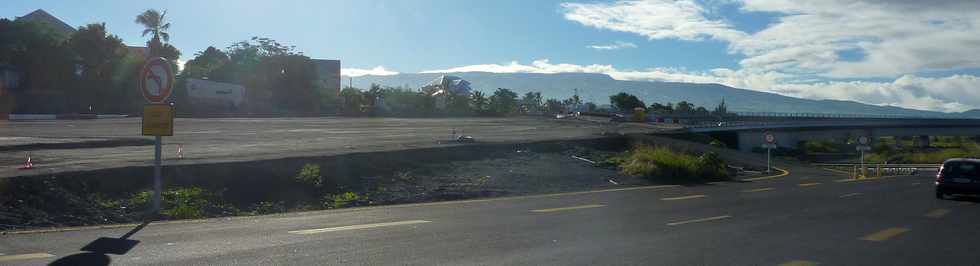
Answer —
(158, 120)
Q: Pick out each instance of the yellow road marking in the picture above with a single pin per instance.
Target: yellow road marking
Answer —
(937, 213)
(685, 197)
(25, 256)
(809, 184)
(784, 173)
(758, 190)
(355, 227)
(570, 208)
(885, 234)
(799, 263)
(700, 220)
(850, 195)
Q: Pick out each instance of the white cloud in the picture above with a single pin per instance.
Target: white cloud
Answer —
(614, 46)
(376, 71)
(895, 37)
(654, 19)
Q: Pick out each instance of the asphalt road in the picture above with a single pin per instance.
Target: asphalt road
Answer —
(807, 217)
(245, 139)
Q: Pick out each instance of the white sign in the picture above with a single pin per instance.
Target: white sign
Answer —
(769, 146)
(863, 148)
(863, 140)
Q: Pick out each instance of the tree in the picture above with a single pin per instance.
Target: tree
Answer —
(155, 24)
(591, 107)
(572, 102)
(352, 99)
(205, 63)
(552, 106)
(99, 52)
(531, 102)
(479, 102)
(503, 102)
(721, 109)
(701, 111)
(661, 108)
(47, 65)
(625, 102)
(684, 107)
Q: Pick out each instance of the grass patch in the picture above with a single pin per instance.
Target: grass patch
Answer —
(664, 163)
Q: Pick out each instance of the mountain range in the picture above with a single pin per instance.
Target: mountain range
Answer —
(598, 87)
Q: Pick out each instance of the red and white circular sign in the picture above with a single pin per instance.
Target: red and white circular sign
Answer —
(156, 81)
(769, 137)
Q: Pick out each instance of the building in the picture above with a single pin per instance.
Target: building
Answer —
(444, 86)
(51, 22)
(328, 75)
(212, 96)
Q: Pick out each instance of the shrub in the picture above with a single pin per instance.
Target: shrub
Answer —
(267, 207)
(178, 203)
(661, 162)
(310, 174)
(342, 200)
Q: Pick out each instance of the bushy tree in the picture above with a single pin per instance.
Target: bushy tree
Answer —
(479, 102)
(531, 102)
(625, 102)
(552, 106)
(684, 107)
(99, 54)
(503, 102)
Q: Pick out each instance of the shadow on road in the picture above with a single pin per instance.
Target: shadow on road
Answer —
(95, 252)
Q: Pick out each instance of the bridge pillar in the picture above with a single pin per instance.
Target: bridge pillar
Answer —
(924, 141)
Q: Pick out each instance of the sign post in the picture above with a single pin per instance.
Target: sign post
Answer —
(769, 143)
(863, 147)
(156, 84)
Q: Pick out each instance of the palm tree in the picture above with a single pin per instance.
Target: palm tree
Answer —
(155, 23)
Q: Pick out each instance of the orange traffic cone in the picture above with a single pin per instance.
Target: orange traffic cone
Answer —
(180, 152)
(28, 164)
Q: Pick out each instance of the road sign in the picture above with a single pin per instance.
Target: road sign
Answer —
(768, 146)
(158, 120)
(863, 148)
(156, 81)
(863, 140)
(768, 137)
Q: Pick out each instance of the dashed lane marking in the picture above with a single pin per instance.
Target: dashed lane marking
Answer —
(355, 227)
(809, 184)
(937, 213)
(25, 256)
(799, 263)
(758, 190)
(851, 195)
(589, 206)
(685, 197)
(885, 234)
(700, 220)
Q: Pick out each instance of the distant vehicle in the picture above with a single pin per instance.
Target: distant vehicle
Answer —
(958, 176)
(465, 139)
(618, 118)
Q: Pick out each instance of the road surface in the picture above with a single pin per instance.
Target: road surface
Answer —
(808, 217)
(216, 140)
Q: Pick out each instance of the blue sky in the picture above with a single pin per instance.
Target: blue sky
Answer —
(898, 52)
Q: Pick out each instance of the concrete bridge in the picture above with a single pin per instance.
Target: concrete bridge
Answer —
(747, 133)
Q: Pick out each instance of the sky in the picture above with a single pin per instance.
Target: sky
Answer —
(908, 53)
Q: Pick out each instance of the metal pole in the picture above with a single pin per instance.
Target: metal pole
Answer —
(863, 170)
(768, 161)
(156, 175)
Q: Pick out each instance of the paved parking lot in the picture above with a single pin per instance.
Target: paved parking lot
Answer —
(243, 139)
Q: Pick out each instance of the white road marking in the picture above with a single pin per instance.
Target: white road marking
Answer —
(570, 208)
(850, 195)
(25, 256)
(356, 227)
(700, 220)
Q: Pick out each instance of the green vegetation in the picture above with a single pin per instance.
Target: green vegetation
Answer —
(310, 174)
(183, 203)
(346, 199)
(941, 149)
(661, 162)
